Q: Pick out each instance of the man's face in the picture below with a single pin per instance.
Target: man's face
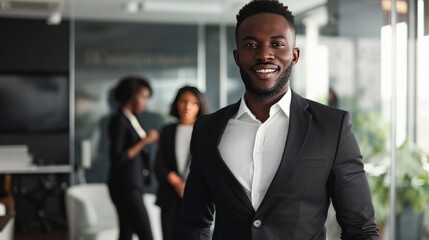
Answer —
(265, 54)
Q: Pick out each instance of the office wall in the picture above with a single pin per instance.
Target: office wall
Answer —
(32, 45)
(26, 46)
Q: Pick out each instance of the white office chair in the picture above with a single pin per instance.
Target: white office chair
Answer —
(92, 216)
(6, 233)
(2, 209)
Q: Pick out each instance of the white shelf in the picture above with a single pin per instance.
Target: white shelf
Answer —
(34, 169)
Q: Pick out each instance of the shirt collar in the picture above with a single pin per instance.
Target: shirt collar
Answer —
(135, 123)
(283, 104)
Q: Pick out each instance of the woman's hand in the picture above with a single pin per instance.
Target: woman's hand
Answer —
(177, 182)
(180, 189)
(152, 136)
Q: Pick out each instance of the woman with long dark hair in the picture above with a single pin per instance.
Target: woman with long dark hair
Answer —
(129, 168)
(173, 158)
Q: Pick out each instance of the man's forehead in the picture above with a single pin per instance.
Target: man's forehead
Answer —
(275, 36)
(265, 17)
(272, 29)
(267, 20)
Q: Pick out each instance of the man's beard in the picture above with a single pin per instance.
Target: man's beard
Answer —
(264, 94)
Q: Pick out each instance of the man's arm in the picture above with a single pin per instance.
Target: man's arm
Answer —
(351, 196)
(198, 208)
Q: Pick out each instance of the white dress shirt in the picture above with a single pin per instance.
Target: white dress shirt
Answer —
(135, 123)
(183, 143)
(252, 150)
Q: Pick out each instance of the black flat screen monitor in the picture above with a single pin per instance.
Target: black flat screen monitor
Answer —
(34, 102)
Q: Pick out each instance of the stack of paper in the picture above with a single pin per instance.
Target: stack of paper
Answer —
(15, 155)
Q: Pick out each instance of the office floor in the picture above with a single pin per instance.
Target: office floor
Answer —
(35, 232)
(42, 236)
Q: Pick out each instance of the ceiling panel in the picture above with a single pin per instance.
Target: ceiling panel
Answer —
(176, 11)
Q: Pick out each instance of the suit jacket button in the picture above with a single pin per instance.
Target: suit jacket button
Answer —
(257, 223)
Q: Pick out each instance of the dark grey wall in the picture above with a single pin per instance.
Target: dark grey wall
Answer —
(26, 46)
(32, 45)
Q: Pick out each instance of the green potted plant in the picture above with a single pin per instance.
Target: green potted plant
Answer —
(412, 191)
(412, 177)
(372, 135)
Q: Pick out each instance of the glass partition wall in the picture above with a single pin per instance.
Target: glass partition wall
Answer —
(366, 57)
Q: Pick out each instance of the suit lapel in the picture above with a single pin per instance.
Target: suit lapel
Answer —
(299, 125)
(217, 133)
(173, 143)
(135, 136)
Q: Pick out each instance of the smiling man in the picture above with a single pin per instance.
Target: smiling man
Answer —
(271, 164)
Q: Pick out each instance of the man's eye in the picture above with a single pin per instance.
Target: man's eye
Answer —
(278, 44)
(250, 45)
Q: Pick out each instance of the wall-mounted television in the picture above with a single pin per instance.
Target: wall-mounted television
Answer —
(34, 102)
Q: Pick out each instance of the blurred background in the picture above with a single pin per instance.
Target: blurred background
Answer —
(59, 60)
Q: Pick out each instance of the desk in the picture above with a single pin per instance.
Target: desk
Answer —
(34, 194)
(35, 169)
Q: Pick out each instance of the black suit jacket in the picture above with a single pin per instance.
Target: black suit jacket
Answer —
(125, 173)
(321, 162)
(166, 162)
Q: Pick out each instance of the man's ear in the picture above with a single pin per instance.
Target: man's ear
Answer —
(295, 53)
(235, 52)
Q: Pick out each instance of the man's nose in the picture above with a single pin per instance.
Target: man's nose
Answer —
(264, 54)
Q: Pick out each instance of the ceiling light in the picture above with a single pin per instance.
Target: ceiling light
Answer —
(133, 6)
(184, 7)
(54, 18)
(401, 6)
(32, 5)
(4, 5)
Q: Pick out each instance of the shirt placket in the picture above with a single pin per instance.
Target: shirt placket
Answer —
(257, 161)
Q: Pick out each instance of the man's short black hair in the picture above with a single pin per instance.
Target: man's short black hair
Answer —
(264, 6)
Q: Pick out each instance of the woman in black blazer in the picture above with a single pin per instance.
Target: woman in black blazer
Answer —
(173, 159)
(129, 162)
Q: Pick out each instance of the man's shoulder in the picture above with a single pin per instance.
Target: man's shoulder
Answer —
(229, 111)
(321, 113)
(320, 109)
(207, 121)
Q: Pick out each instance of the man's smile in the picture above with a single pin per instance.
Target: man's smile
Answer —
(265, 71)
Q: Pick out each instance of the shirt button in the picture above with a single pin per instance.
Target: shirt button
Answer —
(257, 223)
